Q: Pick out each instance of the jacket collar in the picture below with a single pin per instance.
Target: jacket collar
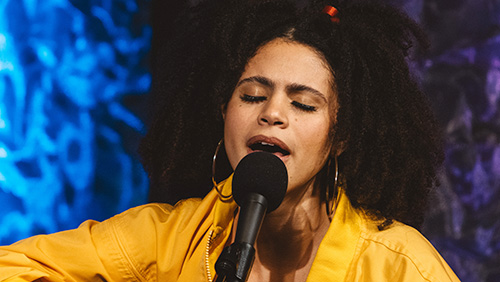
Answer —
(224, 210)
(339, 243)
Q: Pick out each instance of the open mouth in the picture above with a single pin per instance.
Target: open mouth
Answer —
(268, 147)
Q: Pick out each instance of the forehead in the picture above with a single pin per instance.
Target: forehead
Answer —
(285, 61)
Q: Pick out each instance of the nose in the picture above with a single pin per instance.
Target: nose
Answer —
(274, 113)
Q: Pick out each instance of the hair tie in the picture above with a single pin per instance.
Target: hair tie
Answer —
(332, 12)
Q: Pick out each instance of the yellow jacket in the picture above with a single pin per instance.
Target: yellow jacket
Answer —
(158, 242)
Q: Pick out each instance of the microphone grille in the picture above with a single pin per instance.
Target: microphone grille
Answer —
(262, 173)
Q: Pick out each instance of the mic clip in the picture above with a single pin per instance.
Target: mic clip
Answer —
(235, 262)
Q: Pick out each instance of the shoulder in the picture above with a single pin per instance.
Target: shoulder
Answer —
(154, 219)
(399, 238)
(158, 212)
(402, 253)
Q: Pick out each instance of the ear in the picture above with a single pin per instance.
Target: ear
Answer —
(337, 149)
(223, 109)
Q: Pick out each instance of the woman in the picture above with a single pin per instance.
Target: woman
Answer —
(327, 91)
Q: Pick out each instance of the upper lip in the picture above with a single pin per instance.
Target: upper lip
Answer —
(275, 143)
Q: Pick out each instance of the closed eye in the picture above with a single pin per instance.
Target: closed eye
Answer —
(252, 99)
(304, 107)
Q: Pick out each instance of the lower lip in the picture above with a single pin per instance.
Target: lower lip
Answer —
(282, 157)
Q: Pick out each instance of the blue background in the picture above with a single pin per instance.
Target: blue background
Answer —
(68, 70)
(73, 82)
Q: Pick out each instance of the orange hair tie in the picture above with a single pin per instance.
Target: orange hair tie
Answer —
(332, 11)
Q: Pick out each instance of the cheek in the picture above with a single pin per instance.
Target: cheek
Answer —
(232, 120)
(316, 139)
(318, 129)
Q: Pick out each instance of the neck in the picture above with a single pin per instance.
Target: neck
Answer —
(290, 237)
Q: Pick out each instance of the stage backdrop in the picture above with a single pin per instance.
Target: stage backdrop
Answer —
(73, 75)
(73, 79)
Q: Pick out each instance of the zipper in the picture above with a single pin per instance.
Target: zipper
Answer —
(207, 256)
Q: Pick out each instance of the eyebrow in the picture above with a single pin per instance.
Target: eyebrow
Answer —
(291, 88)
(259, 79)
(295, 87)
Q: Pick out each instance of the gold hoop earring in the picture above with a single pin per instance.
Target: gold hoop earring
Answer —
(332, 196)
(214, 161)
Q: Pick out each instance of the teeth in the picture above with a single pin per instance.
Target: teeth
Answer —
(269, 147)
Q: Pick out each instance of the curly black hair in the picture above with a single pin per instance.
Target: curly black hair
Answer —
(393, 145)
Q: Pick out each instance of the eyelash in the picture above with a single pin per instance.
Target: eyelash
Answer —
(252, 99)
(304, 107)
(257, 99)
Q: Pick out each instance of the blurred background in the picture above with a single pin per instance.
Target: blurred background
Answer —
(74, 79)
(73, 76)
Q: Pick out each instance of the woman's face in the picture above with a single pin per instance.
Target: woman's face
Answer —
(283, 104)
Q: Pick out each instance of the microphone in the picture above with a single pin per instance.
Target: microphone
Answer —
(259, 186)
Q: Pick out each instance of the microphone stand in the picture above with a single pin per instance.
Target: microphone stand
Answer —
(236, 260)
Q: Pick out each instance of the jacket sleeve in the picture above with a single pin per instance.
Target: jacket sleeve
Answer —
(95, 251)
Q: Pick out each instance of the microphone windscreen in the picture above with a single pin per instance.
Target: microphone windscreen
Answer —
(262, 173)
